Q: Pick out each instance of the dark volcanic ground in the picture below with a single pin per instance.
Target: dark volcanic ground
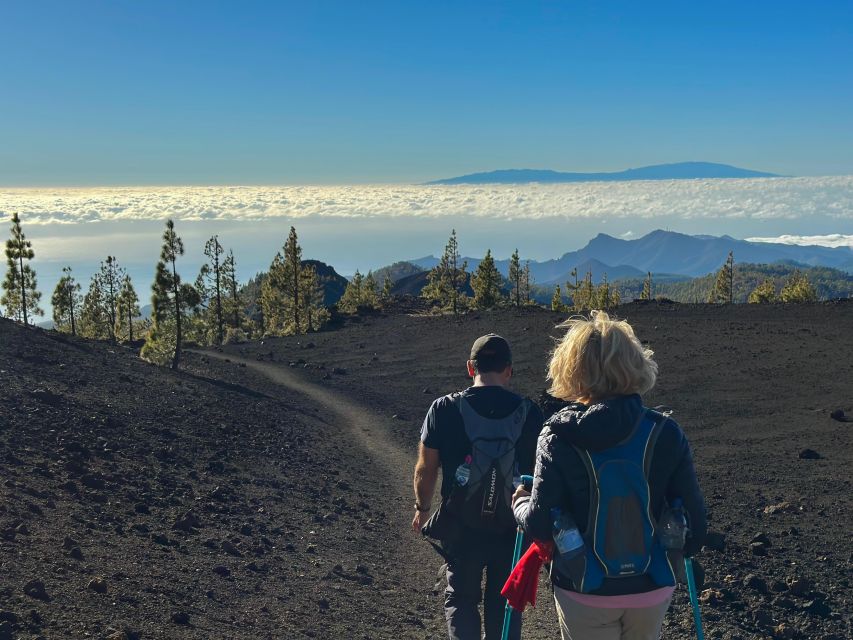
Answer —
(267, 494)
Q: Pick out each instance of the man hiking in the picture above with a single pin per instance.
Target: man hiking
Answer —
(483, 439)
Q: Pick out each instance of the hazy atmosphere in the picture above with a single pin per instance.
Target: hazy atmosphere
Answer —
(256, 255)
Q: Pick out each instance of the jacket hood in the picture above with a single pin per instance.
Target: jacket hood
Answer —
(599, 426)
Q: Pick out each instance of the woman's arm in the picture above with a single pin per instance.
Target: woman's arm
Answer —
(533, 513)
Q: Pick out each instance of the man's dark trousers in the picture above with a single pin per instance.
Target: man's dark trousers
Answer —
(468, 559)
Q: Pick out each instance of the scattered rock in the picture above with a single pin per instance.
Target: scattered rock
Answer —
(761, 538)
(838, 414)
(817, 608)
(98, 585)
(47, 397)
(762, 618)
(6, 631)
(222, 570)
(785, 632)
(160, 538)
(76, 553)
(799, 586)
(188, 522)
(141, 507)
(69, 487)
(339, 371)
(181, 617)
(712, 597)
(246, 530)
(758, 549)
(784, 603)
(69, 543)
(35, 589)
(231, 549)
(810, 454)
(323, 604)
(782, 507)
(715, 541)
(93, 481)
(755, 583)
(779, 586)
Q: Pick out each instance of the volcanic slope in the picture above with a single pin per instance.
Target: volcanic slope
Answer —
(753, 387)
(137, 502)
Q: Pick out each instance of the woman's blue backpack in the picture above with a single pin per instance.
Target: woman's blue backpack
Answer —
(621, 539)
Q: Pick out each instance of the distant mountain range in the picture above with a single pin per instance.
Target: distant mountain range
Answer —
(667, 254)
(675, 171)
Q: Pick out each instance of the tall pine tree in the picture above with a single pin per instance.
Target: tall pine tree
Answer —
(647, 287)
(281, 291)
(447, 279)
(515, 277)
(111, 275)
(209, 285)
(722, 291)
(171, 301)
(233, 304)
(486, 283)
(314, 312)
(20, 291)
(66, 303)
(128, 309)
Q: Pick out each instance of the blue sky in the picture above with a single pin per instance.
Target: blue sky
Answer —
(140, 93)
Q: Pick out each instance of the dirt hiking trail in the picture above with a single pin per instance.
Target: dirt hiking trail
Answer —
(388, 467)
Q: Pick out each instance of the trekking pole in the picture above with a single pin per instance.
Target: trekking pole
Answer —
(694, 599)
(527, 483)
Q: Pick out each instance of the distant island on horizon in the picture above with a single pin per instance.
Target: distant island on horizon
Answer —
(674, 171)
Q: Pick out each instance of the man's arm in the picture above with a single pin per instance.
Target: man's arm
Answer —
(426, 476)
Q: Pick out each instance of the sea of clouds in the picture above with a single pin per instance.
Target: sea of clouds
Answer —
(756, 199)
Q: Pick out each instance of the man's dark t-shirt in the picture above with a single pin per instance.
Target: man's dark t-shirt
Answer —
(444, 430)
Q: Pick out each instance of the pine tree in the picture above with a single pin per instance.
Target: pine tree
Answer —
(798, 289)
(486, 283)
(446, 280)
(585, 298)
(209, 285)
(110, 277)
(515, 275)
(94, 322)
(281, 291)
(171, 301)
(314, 311)
(527, 281)
(128, 308)
(647, 287)
(557, 303)
(572, 288)
(385, 296)
(233, 303)
(369, 292)
(20, 292)
(606, 297)
(66, 302)
(722, 291)
(353, 297)
(765, 293)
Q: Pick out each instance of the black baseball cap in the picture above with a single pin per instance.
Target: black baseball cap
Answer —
(491, 352)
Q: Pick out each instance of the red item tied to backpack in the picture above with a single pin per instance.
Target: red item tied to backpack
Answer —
(522, 584)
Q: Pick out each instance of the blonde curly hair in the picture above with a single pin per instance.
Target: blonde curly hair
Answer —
(599, 358)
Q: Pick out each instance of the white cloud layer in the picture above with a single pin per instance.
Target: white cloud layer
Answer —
(755, 199)
(831, 240)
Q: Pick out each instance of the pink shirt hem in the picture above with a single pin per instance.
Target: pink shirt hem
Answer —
(630, 601)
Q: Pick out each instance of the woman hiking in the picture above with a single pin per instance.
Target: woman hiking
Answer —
(614, 472)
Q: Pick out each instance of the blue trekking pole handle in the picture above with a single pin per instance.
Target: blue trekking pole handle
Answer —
(527, 483)
(694, 599)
